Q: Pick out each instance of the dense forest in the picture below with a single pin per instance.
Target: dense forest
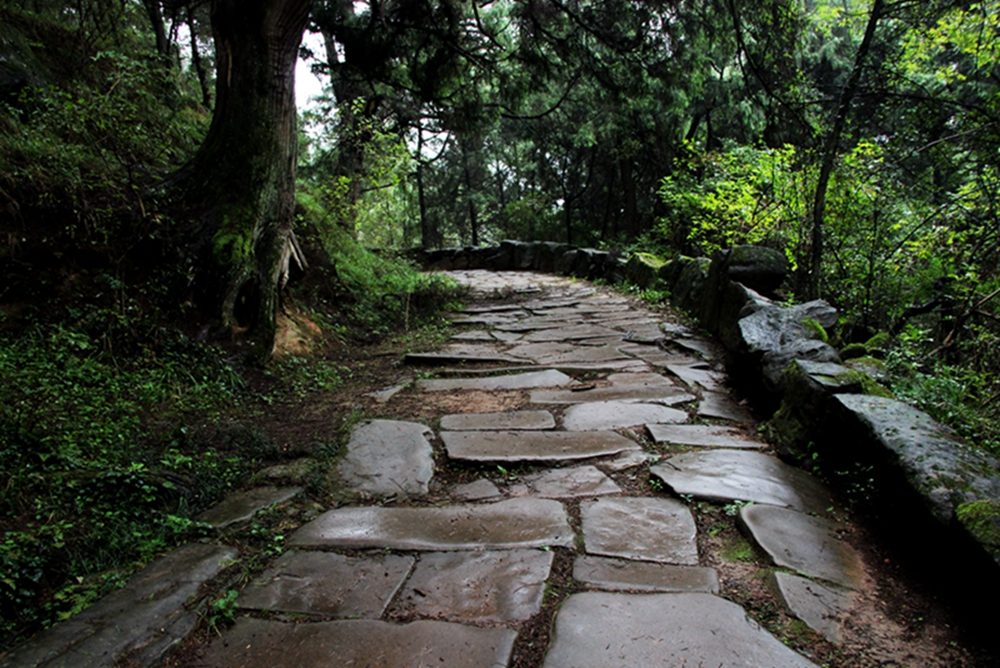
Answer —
(167, 210)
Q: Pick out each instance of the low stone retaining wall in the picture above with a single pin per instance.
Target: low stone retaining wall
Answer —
(779, 357)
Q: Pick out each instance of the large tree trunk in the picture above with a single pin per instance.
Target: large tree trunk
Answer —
(244, 172)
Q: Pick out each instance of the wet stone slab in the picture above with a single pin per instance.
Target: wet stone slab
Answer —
(477, 586)
(386, 457)
(258, 643)
(241, 506)
(821, 608)
(479, 490)
(567, 483)
(513, 420)
(516, 523)
(518, 381)
(730, 475)
(331, 585)
(722, 407)
(622, 575)
(697, 374)
(620, 387)
(541, 446)
(570, 333)
(601, 415)
(600, 630)
(643, 529)
(473, 354)
(702, 435)
(807, 544)
(629, 460)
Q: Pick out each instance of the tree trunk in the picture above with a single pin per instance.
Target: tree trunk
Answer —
(155, 14)
(830, 152)
(244, 172)
(198, 63)
(628, 192)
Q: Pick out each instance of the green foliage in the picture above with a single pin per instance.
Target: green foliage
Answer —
(86, 155)
(89, 489)
(381, 292)
(222, 612)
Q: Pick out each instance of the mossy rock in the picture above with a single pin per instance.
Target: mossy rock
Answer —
(982, 520)
(643, 269)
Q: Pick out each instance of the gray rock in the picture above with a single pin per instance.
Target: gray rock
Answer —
(687, 291)
(552, 354)
(643, 529)
(570, 333)
(479, 490)
(821, 608)
(601, 630)
(145, 620)
(951, 478)
(294, 472)
(620, 387)
(702, 347)
(759, 268)
(331, 585)
(384, 395)
(241, 506)
(722, 407)
(698, 373)
(524, 522)
(473, 354)
(517, 420)
(519, 381)
(642, 269)
(568, 483)
(386, 457)
(729, 475)
(621, 575)
(805, 543)
(602, 415)
(629, 460)
(509, 446)
(259, 643)
(702, 435)
(477, 586)
(477, 335)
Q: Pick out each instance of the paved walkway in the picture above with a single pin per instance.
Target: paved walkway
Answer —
(620, 421)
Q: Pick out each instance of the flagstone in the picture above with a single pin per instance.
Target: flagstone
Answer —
(620, 387)
(242, 506)
(703, 435)
(723, 407)
(327, 584)
(568, 483)
(498, 421)
(602, 415)
(522, 522)
(804, 543)
(822, 609)
(260, 643)
(479, 490)
(697, 374)
(491, 586)
(640, 528)
(387, 457)
(517, 381)
(623, 575)
(730, 475)
(533, 445)
(598, 630)
(570, 333)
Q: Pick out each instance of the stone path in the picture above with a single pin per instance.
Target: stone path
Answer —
(461, 578)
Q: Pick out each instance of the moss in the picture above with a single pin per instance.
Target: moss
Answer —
(853, 351)
(739, 549)
(982, 520)
(817, 330)
(878, 342)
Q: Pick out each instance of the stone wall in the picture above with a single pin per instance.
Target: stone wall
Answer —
(823, 408)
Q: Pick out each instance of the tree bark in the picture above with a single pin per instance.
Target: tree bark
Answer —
(244, 172)
(830, 152)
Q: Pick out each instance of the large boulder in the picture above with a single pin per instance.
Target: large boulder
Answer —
(643, 269)
(687, 291)
(959, 486)
(566, 262)
(761, 269)
(547, 253)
